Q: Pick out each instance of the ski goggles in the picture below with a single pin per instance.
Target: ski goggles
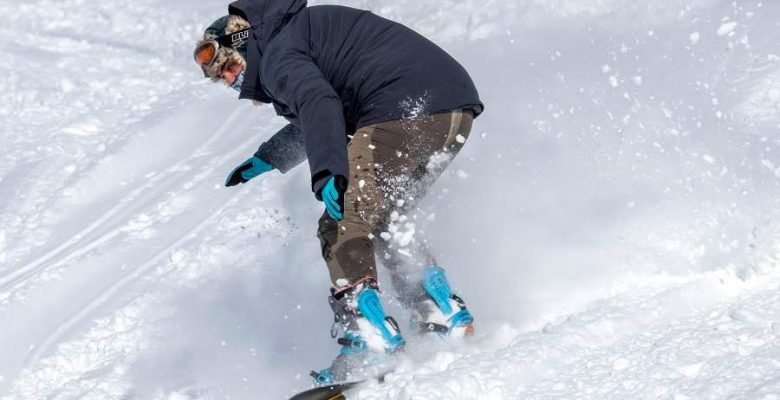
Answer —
(206, 52)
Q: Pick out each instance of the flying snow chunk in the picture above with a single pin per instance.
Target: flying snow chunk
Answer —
(695, 37)
(708, 158)
(774, 95)
(405, 238)
(727, 28)
(613, 81)
(178, 396)
(769, 165)
(620, 364)
(67, 85)
(691, 371)
(177, 256)
(460, 139)
(81, 129)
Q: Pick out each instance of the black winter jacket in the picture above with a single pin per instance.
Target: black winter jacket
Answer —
(331, 70)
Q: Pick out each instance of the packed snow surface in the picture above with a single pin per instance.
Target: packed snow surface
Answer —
(613, 221)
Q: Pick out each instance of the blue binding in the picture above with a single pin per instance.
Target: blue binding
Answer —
(322, 378)
(356, 345)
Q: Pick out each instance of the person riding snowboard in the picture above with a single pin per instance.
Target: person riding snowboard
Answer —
(379, 111)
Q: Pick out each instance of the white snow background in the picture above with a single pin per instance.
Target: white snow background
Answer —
(613, 222)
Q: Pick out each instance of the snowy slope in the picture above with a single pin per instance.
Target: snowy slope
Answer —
(613, 222)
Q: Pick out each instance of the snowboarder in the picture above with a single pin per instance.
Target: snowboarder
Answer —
(379, 112)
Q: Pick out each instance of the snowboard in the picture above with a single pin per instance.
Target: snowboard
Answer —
(337, 391)
(330, 392)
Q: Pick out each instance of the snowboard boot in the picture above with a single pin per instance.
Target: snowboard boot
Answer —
(368, 335)
(441, 311)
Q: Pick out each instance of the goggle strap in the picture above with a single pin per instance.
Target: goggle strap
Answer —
(234, 39)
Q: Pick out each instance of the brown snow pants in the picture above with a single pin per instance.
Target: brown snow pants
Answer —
(391, 165)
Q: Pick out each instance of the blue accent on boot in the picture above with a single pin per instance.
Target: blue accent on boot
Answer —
(323, 378)
(370, 306)
(436, 285)
(462, 317)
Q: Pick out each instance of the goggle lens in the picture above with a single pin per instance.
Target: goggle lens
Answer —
(205, 53)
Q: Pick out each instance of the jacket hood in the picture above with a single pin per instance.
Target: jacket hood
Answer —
(266, 16)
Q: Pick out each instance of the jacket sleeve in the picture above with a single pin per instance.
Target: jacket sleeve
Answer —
(284, 150)
(297, 81)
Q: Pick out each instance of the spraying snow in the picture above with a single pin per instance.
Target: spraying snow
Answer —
(616, 209)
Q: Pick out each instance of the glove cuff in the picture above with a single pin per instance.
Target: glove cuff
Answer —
(340, 182)
(259, 162)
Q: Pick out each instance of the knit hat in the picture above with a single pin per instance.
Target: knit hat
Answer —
(226, 56)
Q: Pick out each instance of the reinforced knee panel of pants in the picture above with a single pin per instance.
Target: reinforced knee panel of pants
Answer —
(346, 249)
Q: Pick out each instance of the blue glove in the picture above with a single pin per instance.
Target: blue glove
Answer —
(247, 170)
(333, 196)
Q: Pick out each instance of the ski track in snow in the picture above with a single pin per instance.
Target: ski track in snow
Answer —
(628, 245)
(86, 241)
(136, 274)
